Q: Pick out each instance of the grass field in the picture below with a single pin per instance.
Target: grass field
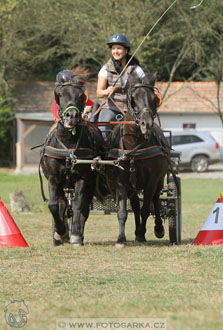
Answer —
(181, 284)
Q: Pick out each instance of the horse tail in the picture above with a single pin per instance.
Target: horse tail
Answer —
(101, 190)
(41, 164)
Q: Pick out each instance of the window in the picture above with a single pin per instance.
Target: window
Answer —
(181, 139)
(195, 138)
(185, 139)
(34, 133)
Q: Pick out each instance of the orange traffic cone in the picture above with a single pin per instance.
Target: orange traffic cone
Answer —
(212, 231)
(10, 234)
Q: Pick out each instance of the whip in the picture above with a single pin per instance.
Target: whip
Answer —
(152, 28)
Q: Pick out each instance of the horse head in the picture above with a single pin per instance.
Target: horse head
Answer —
(70, 96)
(142, 102)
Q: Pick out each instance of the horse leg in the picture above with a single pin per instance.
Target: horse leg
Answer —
(134, 200)
(57, 206)
(79, 217)
(145, 210)
(159, 230)
(85, 211)
(122, 216)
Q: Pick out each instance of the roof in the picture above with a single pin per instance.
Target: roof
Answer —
(188, 97)
(182, 97)
(37, 96)
(33, 96)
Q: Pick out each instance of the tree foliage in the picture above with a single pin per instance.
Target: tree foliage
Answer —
(40, 37)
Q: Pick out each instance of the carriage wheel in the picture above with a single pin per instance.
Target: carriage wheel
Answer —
(69, 221)
(174, 210)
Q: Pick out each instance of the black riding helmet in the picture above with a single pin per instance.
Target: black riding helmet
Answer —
(120, 39)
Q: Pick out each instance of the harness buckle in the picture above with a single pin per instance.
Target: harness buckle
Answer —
(132, 167)
(68, 163)
(95, 165)
(119, 117)
(73, 159)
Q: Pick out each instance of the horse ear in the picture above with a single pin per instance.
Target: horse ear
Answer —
(152, 79)
(158, 99)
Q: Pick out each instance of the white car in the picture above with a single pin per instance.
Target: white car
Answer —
(198, 149)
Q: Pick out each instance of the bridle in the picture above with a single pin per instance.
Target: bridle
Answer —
(61, 112)
(136, 115)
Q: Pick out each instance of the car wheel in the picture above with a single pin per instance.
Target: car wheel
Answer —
(199, 164)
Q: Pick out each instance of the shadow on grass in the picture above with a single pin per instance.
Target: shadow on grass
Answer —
(133, 243)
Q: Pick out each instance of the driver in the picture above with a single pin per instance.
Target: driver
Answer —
(116, 104)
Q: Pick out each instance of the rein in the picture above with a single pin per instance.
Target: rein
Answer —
(108, 123)
(100, 107)
(135, 116)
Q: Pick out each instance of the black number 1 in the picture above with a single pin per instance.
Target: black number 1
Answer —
(217, 214)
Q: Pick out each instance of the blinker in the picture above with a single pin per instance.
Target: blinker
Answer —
(86, 95)
(158, 99)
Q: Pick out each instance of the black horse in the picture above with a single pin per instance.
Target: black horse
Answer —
(69, 140)
(144, 155)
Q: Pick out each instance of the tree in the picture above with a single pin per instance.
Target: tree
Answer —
(211, 61)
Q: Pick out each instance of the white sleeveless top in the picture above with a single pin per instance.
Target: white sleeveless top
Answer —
(103, 73)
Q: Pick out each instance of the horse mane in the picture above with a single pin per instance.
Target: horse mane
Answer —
(77, 76)
(82, 73)
(147, 80)
(134, 79)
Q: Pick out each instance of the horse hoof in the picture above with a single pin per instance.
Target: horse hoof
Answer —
(137, 243)
(76, 240)
(159, 234)
(120, 245)
(57, 242)
(140, 239)
(60, 239)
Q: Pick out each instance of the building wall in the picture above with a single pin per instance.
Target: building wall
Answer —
(31, 133)
(204, 121)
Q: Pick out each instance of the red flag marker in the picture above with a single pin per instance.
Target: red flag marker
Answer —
(10, 235)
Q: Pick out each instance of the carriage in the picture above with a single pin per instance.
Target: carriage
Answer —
(138, 165)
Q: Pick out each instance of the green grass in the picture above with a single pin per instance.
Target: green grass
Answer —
(182, 284)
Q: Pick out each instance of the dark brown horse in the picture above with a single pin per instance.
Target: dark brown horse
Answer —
(145, 154)
(71, 139)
